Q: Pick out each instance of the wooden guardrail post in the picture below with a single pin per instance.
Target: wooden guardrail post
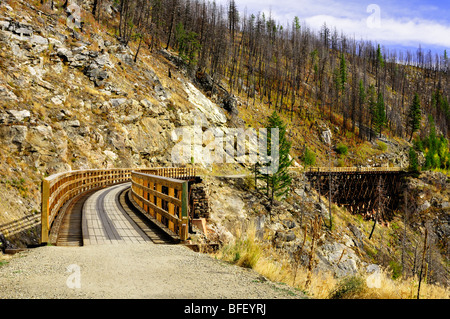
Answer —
(171, 208)
(45, 195)
(158, 200)
(184, 212)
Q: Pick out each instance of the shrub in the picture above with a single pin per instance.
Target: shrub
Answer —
(309, 158)
(342, 149)
(382, 146)
(396, 269)
(244, 251)
(348, 288)
(341, 162)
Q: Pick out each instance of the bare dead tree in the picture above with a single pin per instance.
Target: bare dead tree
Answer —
(423, 259)
(315, 230)
(380, 202)
(298, 254)
(404, 239)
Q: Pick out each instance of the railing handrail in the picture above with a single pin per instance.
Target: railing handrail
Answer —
(355, 169)
(171, 208)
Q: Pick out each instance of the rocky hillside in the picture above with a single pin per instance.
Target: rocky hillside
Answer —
(345, 249)
(77, 99)
(72, 100)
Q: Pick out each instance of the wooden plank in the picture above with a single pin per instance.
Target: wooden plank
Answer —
(158, 211)
(152, 198)
(161, 180)
(171, 208)
(184, 212)
(168, 198)
(158, 202)
(45, 210)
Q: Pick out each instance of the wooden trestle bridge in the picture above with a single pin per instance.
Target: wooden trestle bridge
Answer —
(116, 205)
(359, 189)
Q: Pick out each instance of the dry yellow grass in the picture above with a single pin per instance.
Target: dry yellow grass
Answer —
(247, 251)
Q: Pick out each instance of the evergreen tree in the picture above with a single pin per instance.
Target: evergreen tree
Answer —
(188, 44)
(413, 162)
(379, 65)
(414, 115)
(379, 114)
(362, 99)
(372, 103)
(277, 182)
(431, 157)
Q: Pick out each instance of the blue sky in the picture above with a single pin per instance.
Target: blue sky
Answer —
(396, 24)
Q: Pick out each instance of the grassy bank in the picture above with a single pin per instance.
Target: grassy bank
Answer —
(247, 251)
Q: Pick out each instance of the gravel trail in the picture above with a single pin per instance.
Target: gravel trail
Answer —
(137, 270)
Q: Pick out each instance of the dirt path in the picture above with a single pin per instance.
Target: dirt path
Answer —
(130, 271)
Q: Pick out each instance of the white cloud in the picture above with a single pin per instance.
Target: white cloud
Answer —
(351, 18)
(394, 31)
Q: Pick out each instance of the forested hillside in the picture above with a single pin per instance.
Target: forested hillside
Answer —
(356, 84)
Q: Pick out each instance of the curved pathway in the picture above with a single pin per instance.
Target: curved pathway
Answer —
(106, 222)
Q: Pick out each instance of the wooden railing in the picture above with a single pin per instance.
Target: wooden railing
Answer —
(175, 172)
(163, 198)
(353, 169)
(59, 188)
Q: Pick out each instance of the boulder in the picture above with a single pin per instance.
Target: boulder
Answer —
(38, 40)
(127, 58)
(6, 94)
(96, 74)
(45, 131)
(111, 155)
(103, 60)
(229, 103)
(285, 236)
(19, 133)
(205, 81)
(23, 32)
(153, 109)
(65, 54)
(322, 209)
(358, 240)
(117, 102)
(424, 206)
(289, 223)
(18, 116)
(73, 123)
(338, 258)
(326, 136)
(57, 100)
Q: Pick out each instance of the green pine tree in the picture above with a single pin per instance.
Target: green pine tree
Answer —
(414, 115)
(380, 59)
(413, 162)
(379, 114)
(372, 103)
(278, 182)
